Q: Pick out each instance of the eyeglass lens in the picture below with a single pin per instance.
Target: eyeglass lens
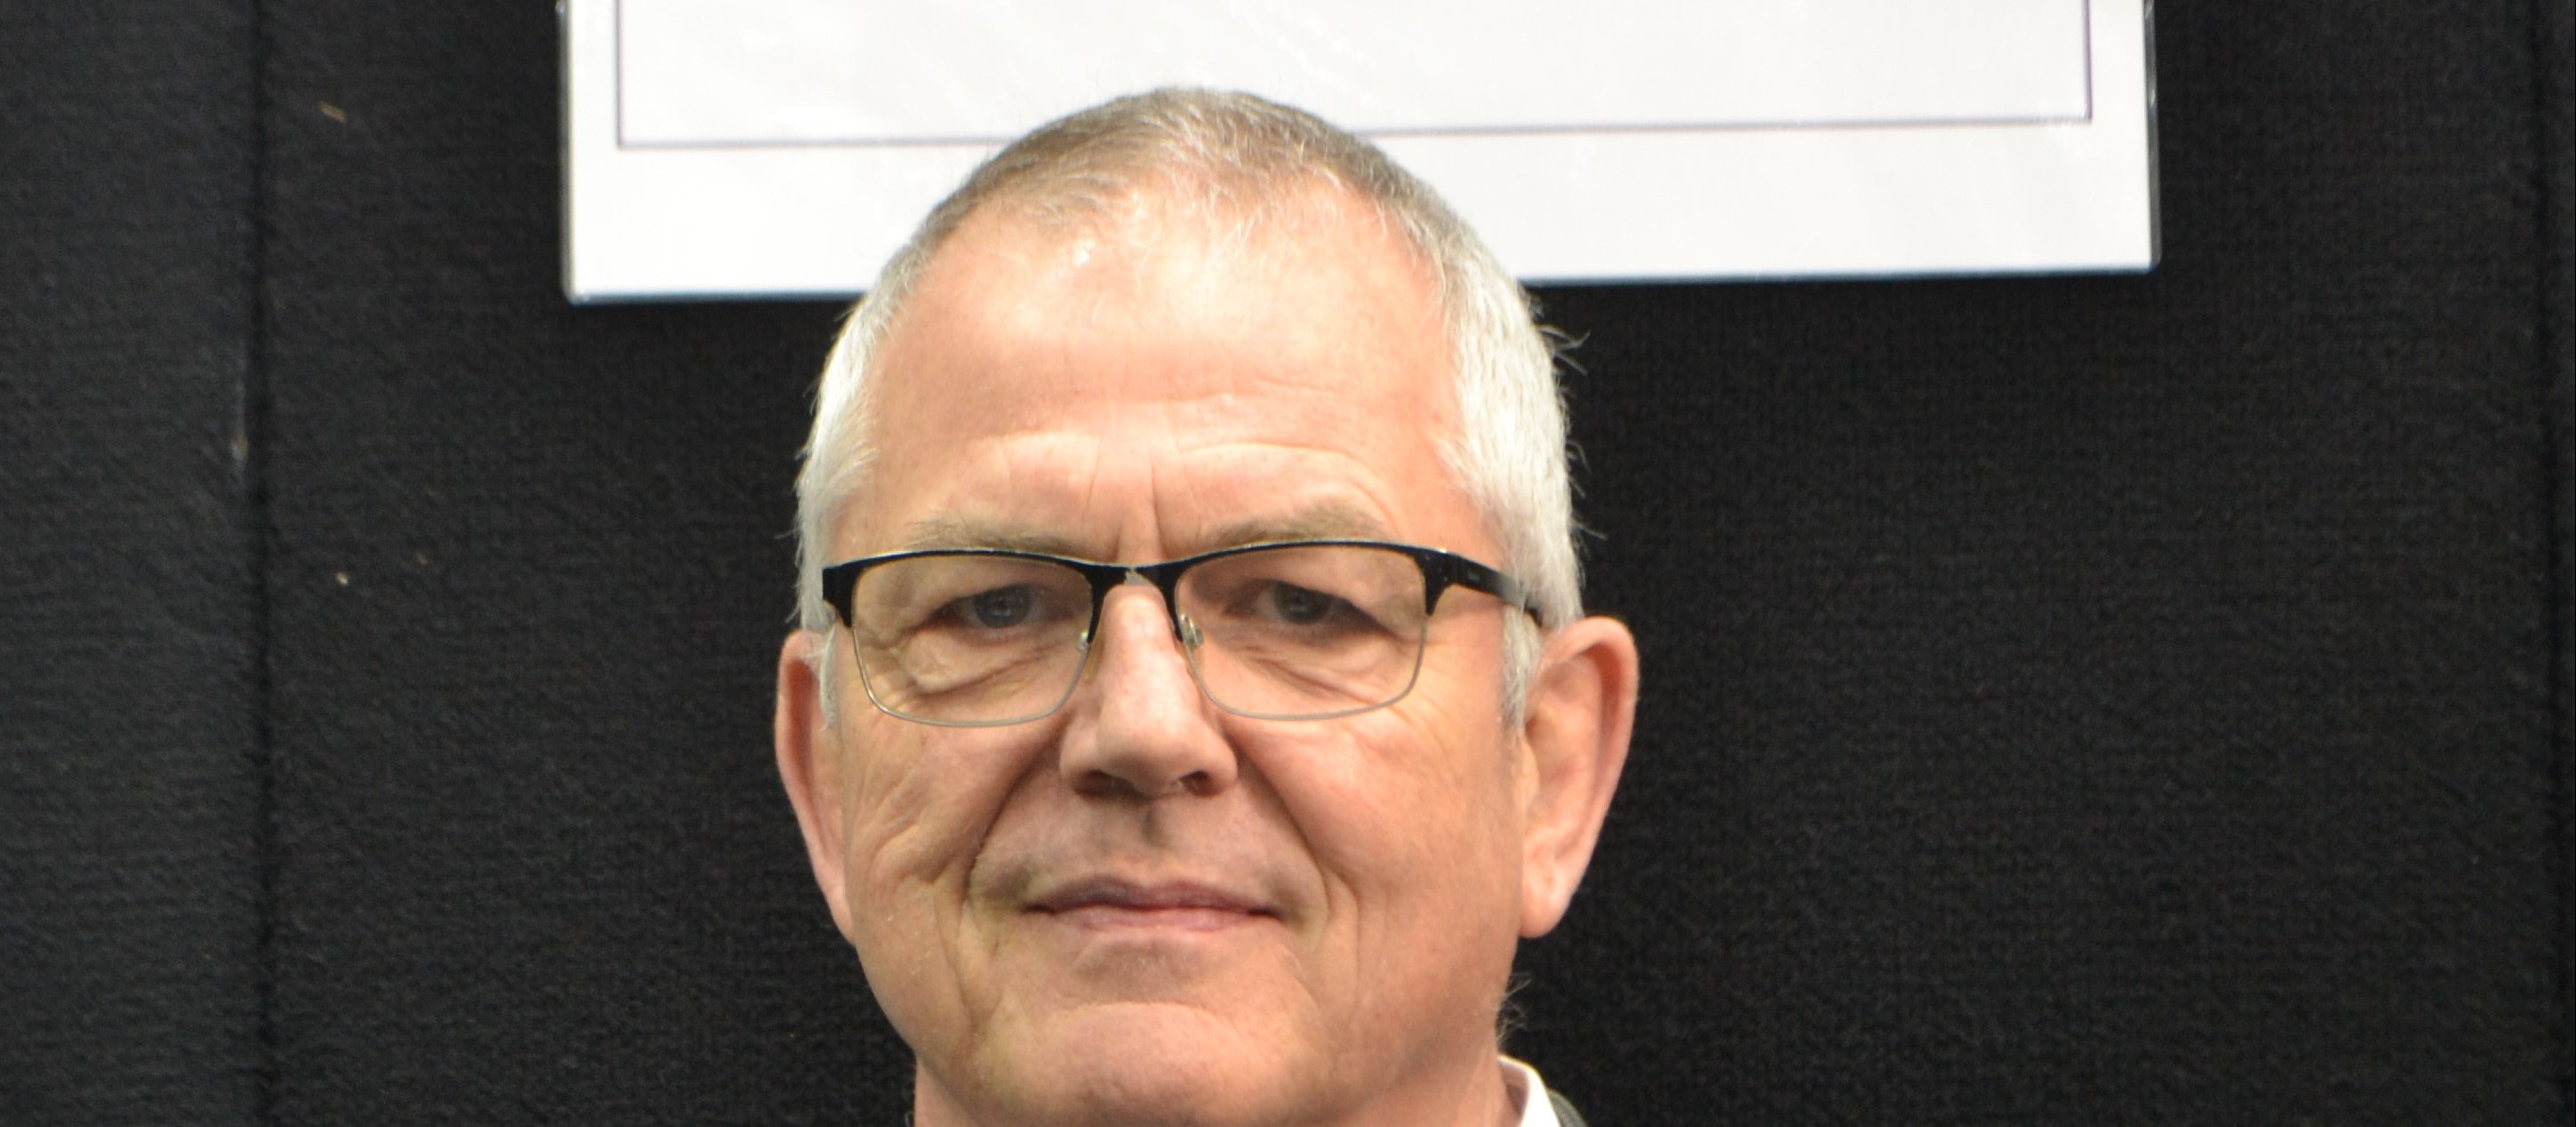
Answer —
(1291, 632)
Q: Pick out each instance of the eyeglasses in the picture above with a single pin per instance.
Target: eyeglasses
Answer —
(1302, 630)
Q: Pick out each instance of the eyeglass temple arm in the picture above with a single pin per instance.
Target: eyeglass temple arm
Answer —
(839, 580)
(1444, 570)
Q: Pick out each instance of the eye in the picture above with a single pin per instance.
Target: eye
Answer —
(1000, 608)
(1299, 606)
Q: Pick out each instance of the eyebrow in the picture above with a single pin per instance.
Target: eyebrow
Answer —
(1332, 520)
(1327, 521)
(943, 532)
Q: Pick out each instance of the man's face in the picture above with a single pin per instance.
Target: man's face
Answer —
(1142, 903)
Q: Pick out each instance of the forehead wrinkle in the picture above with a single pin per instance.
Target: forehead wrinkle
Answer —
(1327, 520)
(1231, 494)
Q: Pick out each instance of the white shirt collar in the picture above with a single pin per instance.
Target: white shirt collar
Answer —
(1536, 1109)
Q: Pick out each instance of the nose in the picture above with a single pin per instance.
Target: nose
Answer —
(1141, 727)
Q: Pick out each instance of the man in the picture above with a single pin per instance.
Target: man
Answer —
(1192, 705)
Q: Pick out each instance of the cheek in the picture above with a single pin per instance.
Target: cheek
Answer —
(921, 801)
(1408, 810)
(1421, 868)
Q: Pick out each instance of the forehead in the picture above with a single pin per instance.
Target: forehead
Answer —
(1214, 369)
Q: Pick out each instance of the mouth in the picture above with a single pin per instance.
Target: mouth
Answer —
(1109, 903)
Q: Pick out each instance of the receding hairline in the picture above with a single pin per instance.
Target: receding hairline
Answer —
(1161, 199)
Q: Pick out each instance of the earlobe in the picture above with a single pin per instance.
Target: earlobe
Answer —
(809, 764)
(1582, 707)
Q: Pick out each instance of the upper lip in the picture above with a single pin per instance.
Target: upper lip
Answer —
(1117, 892)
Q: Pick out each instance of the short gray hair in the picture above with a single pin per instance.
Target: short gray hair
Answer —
(1241, 152)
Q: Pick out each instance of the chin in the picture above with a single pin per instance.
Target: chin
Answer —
(1152, 1065)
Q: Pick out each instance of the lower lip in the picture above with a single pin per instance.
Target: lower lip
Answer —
(1106, 917)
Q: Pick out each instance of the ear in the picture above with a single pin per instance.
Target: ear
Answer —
(1582, 705)
(809, 763)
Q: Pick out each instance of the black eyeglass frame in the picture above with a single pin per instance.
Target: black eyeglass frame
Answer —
(1440, 571)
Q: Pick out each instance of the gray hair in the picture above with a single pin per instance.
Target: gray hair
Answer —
(1243, 153)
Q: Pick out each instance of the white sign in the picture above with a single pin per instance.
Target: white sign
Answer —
(742, 148)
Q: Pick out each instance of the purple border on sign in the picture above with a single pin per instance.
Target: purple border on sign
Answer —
(618, 18)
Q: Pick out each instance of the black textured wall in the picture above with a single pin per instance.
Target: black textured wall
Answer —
(2134, 698)
(130, 627)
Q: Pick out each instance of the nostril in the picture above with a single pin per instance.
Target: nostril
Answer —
(1137, 781)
